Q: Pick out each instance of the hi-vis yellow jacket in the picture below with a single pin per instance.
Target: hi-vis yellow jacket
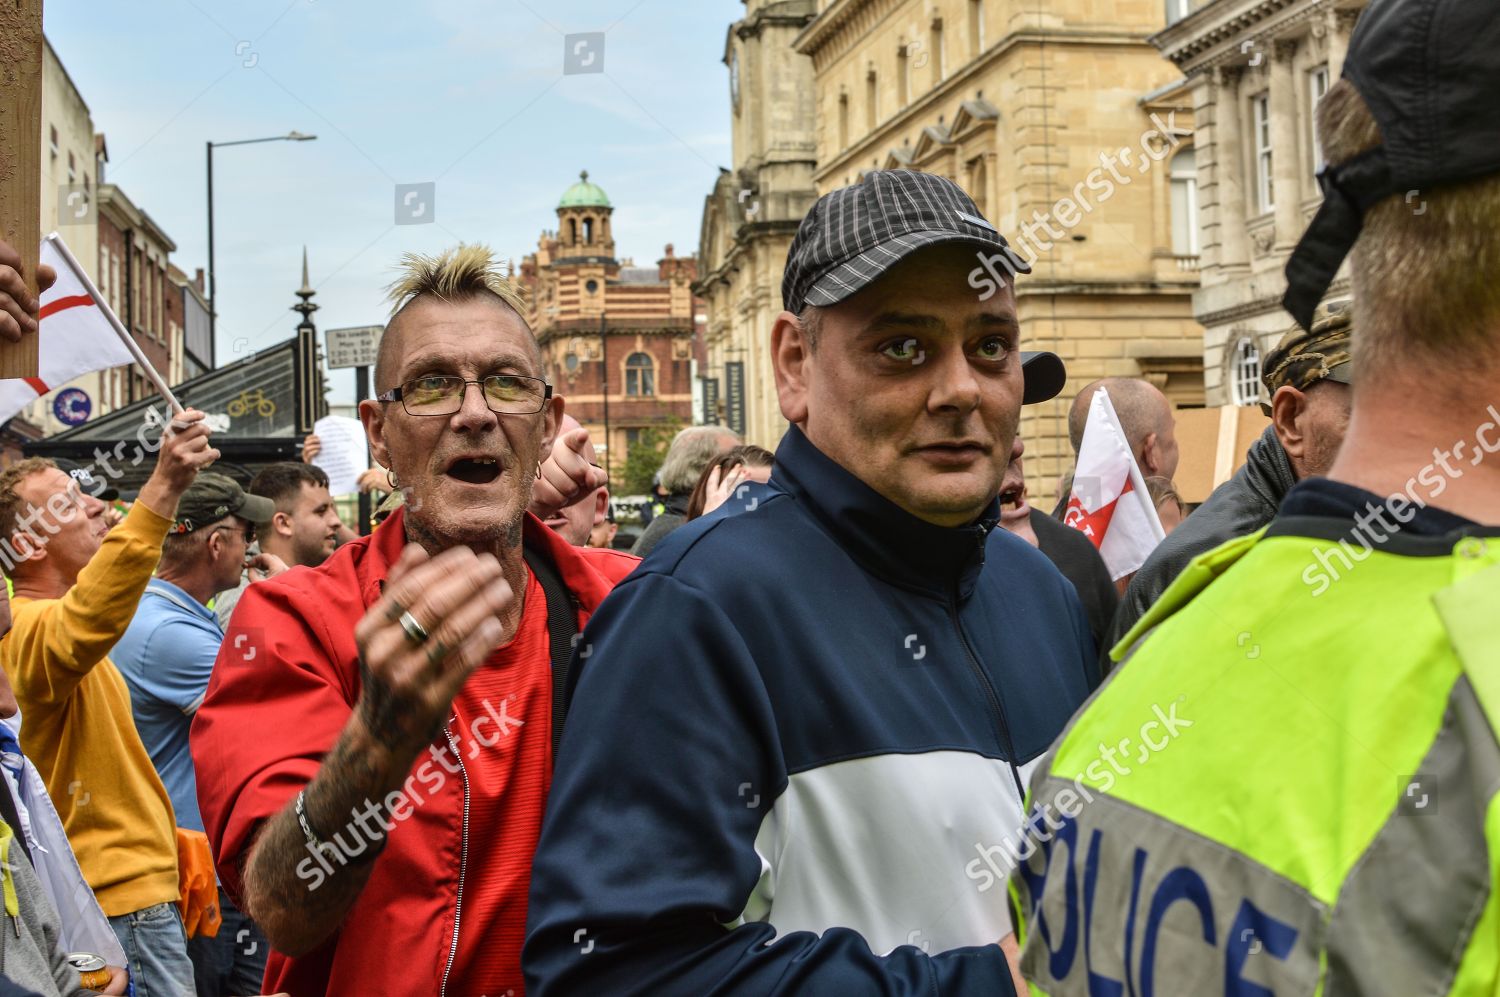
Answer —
(1325, 821)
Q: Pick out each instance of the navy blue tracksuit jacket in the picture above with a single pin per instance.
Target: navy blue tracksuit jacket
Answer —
(791, 764)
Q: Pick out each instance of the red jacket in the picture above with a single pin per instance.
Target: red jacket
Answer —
(283, 687)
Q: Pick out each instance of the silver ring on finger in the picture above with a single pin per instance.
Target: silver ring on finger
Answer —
(415, 632)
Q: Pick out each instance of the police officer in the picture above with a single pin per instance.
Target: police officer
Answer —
(1289, 788)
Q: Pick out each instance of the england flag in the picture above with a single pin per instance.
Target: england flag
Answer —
(77, 334)
(1110, 503)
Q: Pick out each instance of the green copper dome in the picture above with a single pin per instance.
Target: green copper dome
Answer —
(584, 194)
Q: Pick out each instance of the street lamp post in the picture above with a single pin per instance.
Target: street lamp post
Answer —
(213, 285)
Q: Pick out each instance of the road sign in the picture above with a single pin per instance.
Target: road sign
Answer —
(354, 347)
(72, 406)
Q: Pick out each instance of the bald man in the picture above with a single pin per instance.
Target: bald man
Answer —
(574, 522)
(1145, 415)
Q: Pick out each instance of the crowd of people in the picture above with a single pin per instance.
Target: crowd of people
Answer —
(853, 717)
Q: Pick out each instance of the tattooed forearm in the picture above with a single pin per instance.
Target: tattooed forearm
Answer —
(390, 721)
(299, 894)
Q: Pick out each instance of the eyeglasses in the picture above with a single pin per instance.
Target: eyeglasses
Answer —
(505, 394)
(249, 532)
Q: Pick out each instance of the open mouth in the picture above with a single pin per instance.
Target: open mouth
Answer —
(474, 470)
(1013, 502)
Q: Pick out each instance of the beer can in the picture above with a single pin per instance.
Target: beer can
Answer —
(93, 974)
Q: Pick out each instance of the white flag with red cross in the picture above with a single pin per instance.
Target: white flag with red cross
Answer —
(77, 335)
(1110, 503)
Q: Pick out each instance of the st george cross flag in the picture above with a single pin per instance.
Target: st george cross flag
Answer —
(1110, 503)
(76, 337)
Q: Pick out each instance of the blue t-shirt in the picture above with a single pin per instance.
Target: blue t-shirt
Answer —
(166, 657)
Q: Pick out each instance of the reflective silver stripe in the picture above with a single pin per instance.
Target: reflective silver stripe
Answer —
(1405, 915)
(1134, 904)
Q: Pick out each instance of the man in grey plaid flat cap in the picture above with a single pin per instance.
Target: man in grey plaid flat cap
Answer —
(819, 775)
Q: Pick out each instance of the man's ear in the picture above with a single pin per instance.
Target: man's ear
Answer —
(281, 523)
(601, 505)
(552, 416)
(27, 547)
(1150, 456)
(372, 414)
(1287, 407)
(791, 353)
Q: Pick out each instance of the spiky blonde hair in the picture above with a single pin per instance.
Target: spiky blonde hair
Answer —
(459, 272)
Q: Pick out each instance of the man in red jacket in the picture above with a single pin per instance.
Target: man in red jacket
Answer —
(375, 749)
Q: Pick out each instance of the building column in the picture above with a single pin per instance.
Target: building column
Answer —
(1340, 26)
(1229, 169)
(1286, 165)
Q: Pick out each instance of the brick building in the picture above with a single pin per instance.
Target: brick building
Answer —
(133, 264)
(620, 342)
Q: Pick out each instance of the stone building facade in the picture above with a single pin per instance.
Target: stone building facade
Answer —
(752, 214)
(1255, 70)
(1071, 133)
(620, 342)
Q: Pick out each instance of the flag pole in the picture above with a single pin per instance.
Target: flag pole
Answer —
(114, 321)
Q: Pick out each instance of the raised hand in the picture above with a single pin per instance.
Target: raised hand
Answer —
(438, 618)
(19, 311)
(566, 475)
(185, 451)
(720, 489)
(263, 566)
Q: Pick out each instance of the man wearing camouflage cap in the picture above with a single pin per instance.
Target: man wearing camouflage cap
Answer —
(1307, 382)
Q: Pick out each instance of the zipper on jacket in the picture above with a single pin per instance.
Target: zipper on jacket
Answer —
(463, 859)
(997, 710)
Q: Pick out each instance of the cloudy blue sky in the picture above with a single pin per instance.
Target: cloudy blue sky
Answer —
(467, 94)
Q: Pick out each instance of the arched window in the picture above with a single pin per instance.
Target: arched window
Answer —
(640, 375)
(1245, 373)
(1185, 203)
(572, 231)
(588, 231)
(979, 184)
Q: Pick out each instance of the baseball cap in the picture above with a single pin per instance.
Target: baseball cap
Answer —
(1429, 71)
(87, 479)
(1045, 376)
(1304, 358)
(214, 496)
(853, 236)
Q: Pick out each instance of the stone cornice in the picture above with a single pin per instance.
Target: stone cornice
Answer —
(826, 26)
(1215, 35)
(881, 138)
(1259, 306)
(787, 14)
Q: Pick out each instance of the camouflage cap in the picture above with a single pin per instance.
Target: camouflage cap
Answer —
(1302, 359)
